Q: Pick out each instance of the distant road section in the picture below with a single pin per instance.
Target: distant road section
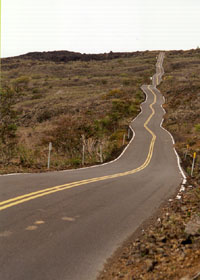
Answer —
(64, 225)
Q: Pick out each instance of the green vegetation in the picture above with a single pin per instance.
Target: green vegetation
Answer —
(197, 127)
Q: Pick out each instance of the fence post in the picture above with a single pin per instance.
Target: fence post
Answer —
(49, 155)
(193, 162)
(83, 154)
(128, 133)
(124, 138)
(101, 153)
(186, 153)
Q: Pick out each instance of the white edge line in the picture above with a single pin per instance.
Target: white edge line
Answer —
(173, 141)
(97, 165)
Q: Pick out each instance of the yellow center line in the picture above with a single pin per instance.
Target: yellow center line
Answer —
(157, 79)
(33, 195)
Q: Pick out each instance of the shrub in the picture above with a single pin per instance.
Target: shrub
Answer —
(8, 116)
(132, 109)
(116, 93)
(117, 135)
(35, 90)
(21, 82)
(44, 116)
(123, 74)
(126, 82)
(26, 156)
(76, 162)
(37, 96)
(102, 126)
(104, 82)
(197, 127)
(36, 76)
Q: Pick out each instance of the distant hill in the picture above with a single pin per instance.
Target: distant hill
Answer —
(65, 56)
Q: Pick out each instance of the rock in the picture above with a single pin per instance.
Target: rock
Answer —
(124, 257)
(186, 240)
(187, 277)
(181, 258)
(184, 208)
(160, 250)
(182, 189)
(193, 226)
(150, 264)
(162, 239)
(130, 262)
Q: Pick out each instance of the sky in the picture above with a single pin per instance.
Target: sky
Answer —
(98, 26)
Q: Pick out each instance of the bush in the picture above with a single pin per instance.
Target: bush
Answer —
(36, 76)
(66, 136)
(44, 116)
(104, 82)
(116, 93)
(197, 127)
(8, 116)
(21, 82)
(37, 96)
(132, 110)
(102, 126)
(76, 162)
(126, 82)
(35, 90)
(26, 156)
(117, 135)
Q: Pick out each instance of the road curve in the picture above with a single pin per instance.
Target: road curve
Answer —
(63, 225)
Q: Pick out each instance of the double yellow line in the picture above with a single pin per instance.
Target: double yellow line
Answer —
(33, 195)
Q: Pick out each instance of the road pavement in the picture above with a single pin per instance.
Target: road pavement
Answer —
(64, 225)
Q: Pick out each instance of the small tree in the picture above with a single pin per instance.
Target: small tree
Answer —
(8, 123)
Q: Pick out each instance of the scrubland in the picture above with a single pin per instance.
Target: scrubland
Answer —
(181, 88)
(71, 99)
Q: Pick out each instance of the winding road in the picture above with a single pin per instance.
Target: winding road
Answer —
(64, 225)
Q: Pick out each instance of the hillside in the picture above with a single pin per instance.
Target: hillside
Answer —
(181, 88)
(69, 99)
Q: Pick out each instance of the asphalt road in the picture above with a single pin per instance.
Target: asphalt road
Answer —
(63, 225)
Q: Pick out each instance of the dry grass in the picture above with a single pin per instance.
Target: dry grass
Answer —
(181, 88)
(85, 91)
